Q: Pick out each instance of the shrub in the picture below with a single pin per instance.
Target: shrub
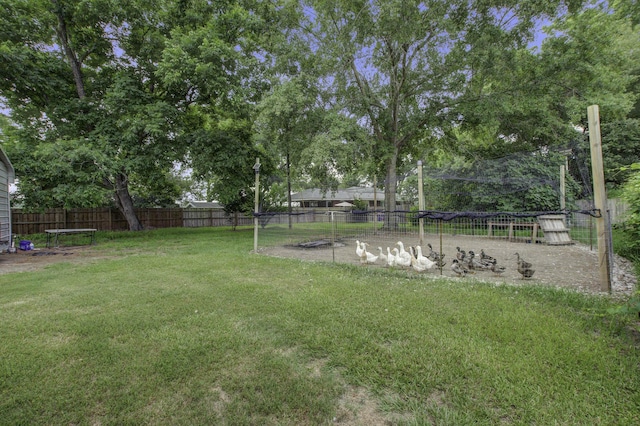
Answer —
(360, 205)
(631, 193)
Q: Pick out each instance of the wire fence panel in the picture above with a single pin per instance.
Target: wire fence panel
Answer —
(334, 226)
(314, 224)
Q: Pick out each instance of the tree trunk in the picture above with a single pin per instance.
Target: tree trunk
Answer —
(125, 203)
(123, 198)
(390, 187)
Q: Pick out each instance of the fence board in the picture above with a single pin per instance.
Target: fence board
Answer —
(617, 208)
(107, 219)
(102, 219)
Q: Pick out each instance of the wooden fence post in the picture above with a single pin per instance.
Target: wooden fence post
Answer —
(420, 204)
(256, 168)
(599, 197)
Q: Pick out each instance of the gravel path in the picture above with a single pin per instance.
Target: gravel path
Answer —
(571, 266)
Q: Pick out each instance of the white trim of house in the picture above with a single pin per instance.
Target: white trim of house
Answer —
(7, 177)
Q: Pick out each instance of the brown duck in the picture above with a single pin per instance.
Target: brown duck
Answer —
(524, 268)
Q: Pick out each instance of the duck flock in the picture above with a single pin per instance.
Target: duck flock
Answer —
(464, 263)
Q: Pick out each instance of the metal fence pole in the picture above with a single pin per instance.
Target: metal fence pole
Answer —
(256, 168)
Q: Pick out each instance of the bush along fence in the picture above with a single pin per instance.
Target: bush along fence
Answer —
(110, 219)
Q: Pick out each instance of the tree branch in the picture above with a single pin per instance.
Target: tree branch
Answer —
(63, 35)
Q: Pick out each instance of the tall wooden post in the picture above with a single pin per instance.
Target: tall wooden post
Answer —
(420, 202)
(563, 191)
(333, 236)
(375, 198)
(599, 196)
(256, 168)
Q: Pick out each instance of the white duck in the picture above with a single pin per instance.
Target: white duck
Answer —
(366, 256)
(382, 257)
(402, 260)
(424, 260)
(391, 259)
(359, 249)
(417, 266)
(404, 255)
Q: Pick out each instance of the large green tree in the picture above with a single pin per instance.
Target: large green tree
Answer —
(91, 121)
(303, 133)
(535, 98)
(288, 120)
(593, 57)
(106, 97)
(217, 66)
(402, 67)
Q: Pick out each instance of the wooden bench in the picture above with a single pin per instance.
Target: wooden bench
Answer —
(55, 233)
(512, 226)
(492, 225)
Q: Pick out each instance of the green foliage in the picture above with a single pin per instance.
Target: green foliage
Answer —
(625, 244)
(214, 66)
(89, 124)
(630, 307)
(628, 8)
(162, 190)
(311, 142)
(423, 65)
(594, 53)
(274, 197)
(631, 193)
(518, 182)
(107, 97)
(620, 149)
(360, 204)
(534, 98)
(412, 216)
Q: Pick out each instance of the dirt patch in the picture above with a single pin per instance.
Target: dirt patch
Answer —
(570, 266)
(358, 408)
(33, 260)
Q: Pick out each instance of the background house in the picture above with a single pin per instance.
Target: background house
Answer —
(7, 176)
(204, 205)
(315, 198)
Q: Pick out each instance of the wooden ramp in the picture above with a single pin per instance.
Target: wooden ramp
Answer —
(555, 231)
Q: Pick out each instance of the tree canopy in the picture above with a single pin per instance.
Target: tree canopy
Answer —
(404, 68)
(104, 99)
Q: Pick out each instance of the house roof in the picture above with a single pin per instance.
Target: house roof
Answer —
(205, 205)
(11, 174)
(348, 194)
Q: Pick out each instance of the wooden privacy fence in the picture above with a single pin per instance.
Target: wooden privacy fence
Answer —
(109, 219)
(196, 218)
(617, 208)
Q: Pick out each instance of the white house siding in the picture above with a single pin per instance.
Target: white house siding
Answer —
(5, 211)
(6, 177)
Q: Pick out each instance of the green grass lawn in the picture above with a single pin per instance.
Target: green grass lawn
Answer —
(186, 326)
